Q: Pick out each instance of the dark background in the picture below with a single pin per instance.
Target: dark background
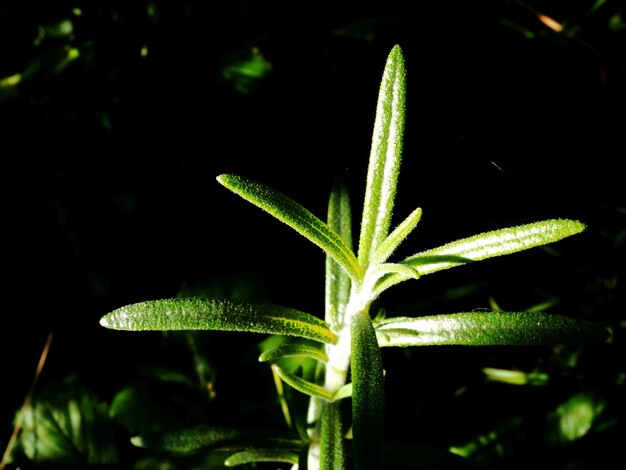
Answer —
(109, 163)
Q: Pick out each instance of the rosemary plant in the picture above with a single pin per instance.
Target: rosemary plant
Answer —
(344, 423)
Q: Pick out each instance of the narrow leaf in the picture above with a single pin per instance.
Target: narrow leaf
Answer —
(385, 156)
(396, 237)
(367, 394)
(218, 314)
(261, 455)
(376, 275)
(331, 439)
(297, 217)
(66, 425)
(215, 437)
(343, 392)
(488, 329)
(337, 289)
(295, 350)
(488, 245)
(304, 386)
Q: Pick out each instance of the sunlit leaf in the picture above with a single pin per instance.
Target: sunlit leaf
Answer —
(297, 217)
(483, 441)
(217, 314)
(396, 237)
(367, 394)
(488, 245)
(261, 455)
(488, 328)
(385, 157)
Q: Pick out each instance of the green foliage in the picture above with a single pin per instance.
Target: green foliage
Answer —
(66, 426)
(351, 366)
(217, 314)
(115, 116)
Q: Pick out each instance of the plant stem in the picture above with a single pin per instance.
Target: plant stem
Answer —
(337, 367)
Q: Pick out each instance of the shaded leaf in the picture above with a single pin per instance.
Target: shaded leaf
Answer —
(67, 427)
(337, 289)
(295, 350)
(391, 243)
(367, 394)
(304, 386)
(331, 438)
(495, 438)
(217, 314)
(246, 69)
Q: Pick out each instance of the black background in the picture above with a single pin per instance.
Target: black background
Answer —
(109, 191)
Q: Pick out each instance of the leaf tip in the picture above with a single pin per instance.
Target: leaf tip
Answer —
(105, 321)
(576, 226)
(396, 51)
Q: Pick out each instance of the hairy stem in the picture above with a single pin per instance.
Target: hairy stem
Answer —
(337, 367)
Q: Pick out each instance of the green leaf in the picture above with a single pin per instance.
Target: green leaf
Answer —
(246, 69)
(67, 427)
(217, 314)
(343, 392)
(304, 386)
(215, 437)
(487, 329)
(261, 455)
(376, 275)
(488, 245)
(337, 289)
(574, 418)
(396, 237)
(297, 217)
(331, 438)
(515, 377)
(493, 442)
(385, 157)
(293, 350)
(367, 394)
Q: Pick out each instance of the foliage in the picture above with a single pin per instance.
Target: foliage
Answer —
(108, 111)
(352, 366)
